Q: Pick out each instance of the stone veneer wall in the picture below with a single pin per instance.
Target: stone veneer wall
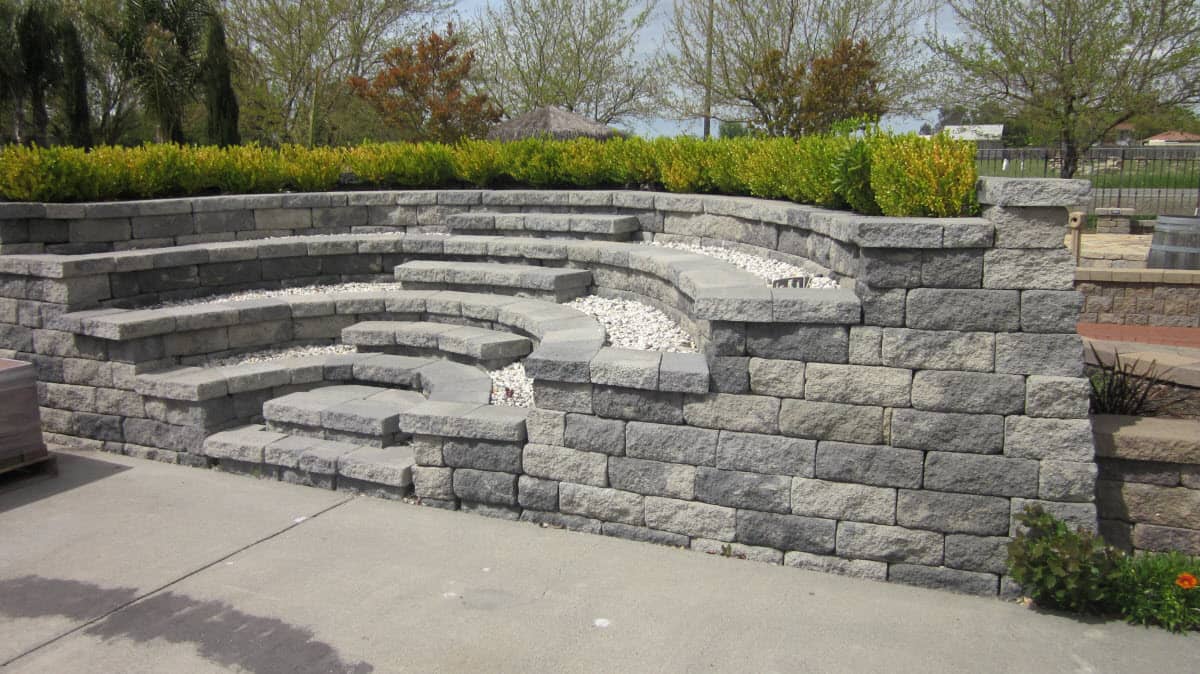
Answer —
(1161, 297)
(897, 444)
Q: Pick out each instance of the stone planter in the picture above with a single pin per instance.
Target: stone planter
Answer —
(20, 424)
(1148, 494)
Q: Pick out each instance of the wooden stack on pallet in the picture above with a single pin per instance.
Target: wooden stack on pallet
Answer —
(21, 443)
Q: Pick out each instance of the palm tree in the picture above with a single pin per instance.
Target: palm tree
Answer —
(162, 46)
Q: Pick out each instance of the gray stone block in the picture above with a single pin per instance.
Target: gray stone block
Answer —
(1056, 439)
(948, 432)
(782, 378)
(1028, 269)
(881, 306)
(831, 421)
(938, 350)
(729, 374)
(977, 553)
(503, 457)
(1057, 397)
(626, 367)
(974, 474)
(609, 505)
(869, 464)
(787, 341)
(594, 434)
(786, 532)
(812, 305)
(858, 385)
(622, 403)
(427, 450)
(672, 444)
(866, 345)
(1055, 355)
(951, 268)
(537, 494)
(1030, 192)
(729, 411)
(853, 568)
(683, 372)
(690, 518)
(843, 501)
(1037, 227)
(953, 513)
(487, 487)
(1067, 481)
(771, 454)
(964, 310)
(970, 392)
(883, 543)
(569, 397)
(736, 489)
(890, 268)
(282, 218)
(652, 478)
(566, 465)
(942, 578)
(1076, 515)
(546, 427)
(1052, 311)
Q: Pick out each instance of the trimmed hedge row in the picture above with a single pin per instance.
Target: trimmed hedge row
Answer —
(900, 175)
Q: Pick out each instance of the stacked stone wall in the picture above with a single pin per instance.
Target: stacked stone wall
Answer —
(1158, 297)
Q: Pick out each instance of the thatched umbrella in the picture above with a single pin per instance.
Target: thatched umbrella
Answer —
(550, 122)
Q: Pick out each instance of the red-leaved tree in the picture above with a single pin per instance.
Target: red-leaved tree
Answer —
(422, 91)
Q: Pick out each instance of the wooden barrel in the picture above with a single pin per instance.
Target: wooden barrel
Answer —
(1176, 243)
(20, 424)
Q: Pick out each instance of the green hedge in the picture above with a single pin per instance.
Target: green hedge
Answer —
(901, 175)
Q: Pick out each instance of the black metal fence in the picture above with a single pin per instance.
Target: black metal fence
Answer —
(1150, 180)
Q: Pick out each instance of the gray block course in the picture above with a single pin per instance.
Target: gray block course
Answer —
(609, 505)
(938, 349)
(627, 368)
(1067, 481)
(974, 474)
(977, 553)
(889, 544)
(1053, 311)
(853, 568)
(690, 518)
(948, 431)
(593, 434)
(970, 392)
(858, 384)
(754, 414)
(966, 582)
(966, 310)
(869, 464)
(737, 489)
(566, 465)
(1058, 397)
(537, 494)
(491, 455)
(781, 378)
(1057, 439)
(652, 478)
(786, 532)
(485, 487)
(1024, 353)
(621, 403)
(832, 421)
(672, 444)
(843, 501)
(952, 513)
(816, 343)
(771, 454)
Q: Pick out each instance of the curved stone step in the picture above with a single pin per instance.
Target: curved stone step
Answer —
(597, 226)
(553, 283)
(490, 348)
(316, 462)
(364, 415)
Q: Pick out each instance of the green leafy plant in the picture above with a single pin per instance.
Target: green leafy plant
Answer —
(1159, 589)
(1119, 387)
(852, 178)
(1061, 568)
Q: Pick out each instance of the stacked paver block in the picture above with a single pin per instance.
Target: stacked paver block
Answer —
(890, 429)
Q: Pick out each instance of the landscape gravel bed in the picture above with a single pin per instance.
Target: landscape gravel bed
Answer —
(633, 325)
(267, 355)
(282, 292)
(763, 267)
(511, 386)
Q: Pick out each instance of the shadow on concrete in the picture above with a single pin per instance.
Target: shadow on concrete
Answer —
(220, 633)
(73, 470)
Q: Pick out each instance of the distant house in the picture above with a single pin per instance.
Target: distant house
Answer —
(1173, 138)
(1121, 134)
(987, 136)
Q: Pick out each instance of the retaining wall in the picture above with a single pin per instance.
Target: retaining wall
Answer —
(1162, 297)
(889, 430)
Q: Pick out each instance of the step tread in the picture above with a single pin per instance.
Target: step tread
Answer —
(579, 223)
(478, 343)
(492, 274)
(355, 409)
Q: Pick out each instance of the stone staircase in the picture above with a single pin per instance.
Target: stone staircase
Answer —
(490, 348)
(555, 284)
(363, 415)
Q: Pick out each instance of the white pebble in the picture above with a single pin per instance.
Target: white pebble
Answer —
(633, 325)
(511, 387)
(283, 292)
(267, 355)
(762, 267)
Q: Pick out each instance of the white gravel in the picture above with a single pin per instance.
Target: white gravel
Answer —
(282, 292)
(763, 267)
(633, 325)
(267, 355)
(511, 387)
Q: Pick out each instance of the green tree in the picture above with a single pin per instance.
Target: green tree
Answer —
(421, 91)
(579, 55)
(718, 48)
(219, 98)
(76, 112)
(40, 67)
(1076, 67)
(162, 46)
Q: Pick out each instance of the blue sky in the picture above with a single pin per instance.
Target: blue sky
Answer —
(655, 35)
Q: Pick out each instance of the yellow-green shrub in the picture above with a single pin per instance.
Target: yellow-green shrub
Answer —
(477, 162)
(311, 169)
(532, 161)
(583, 162)
(632, 162)
(935, 177)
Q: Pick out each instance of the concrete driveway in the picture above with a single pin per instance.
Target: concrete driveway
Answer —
(122, 565)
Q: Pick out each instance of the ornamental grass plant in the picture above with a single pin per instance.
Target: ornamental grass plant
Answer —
(873, 173)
